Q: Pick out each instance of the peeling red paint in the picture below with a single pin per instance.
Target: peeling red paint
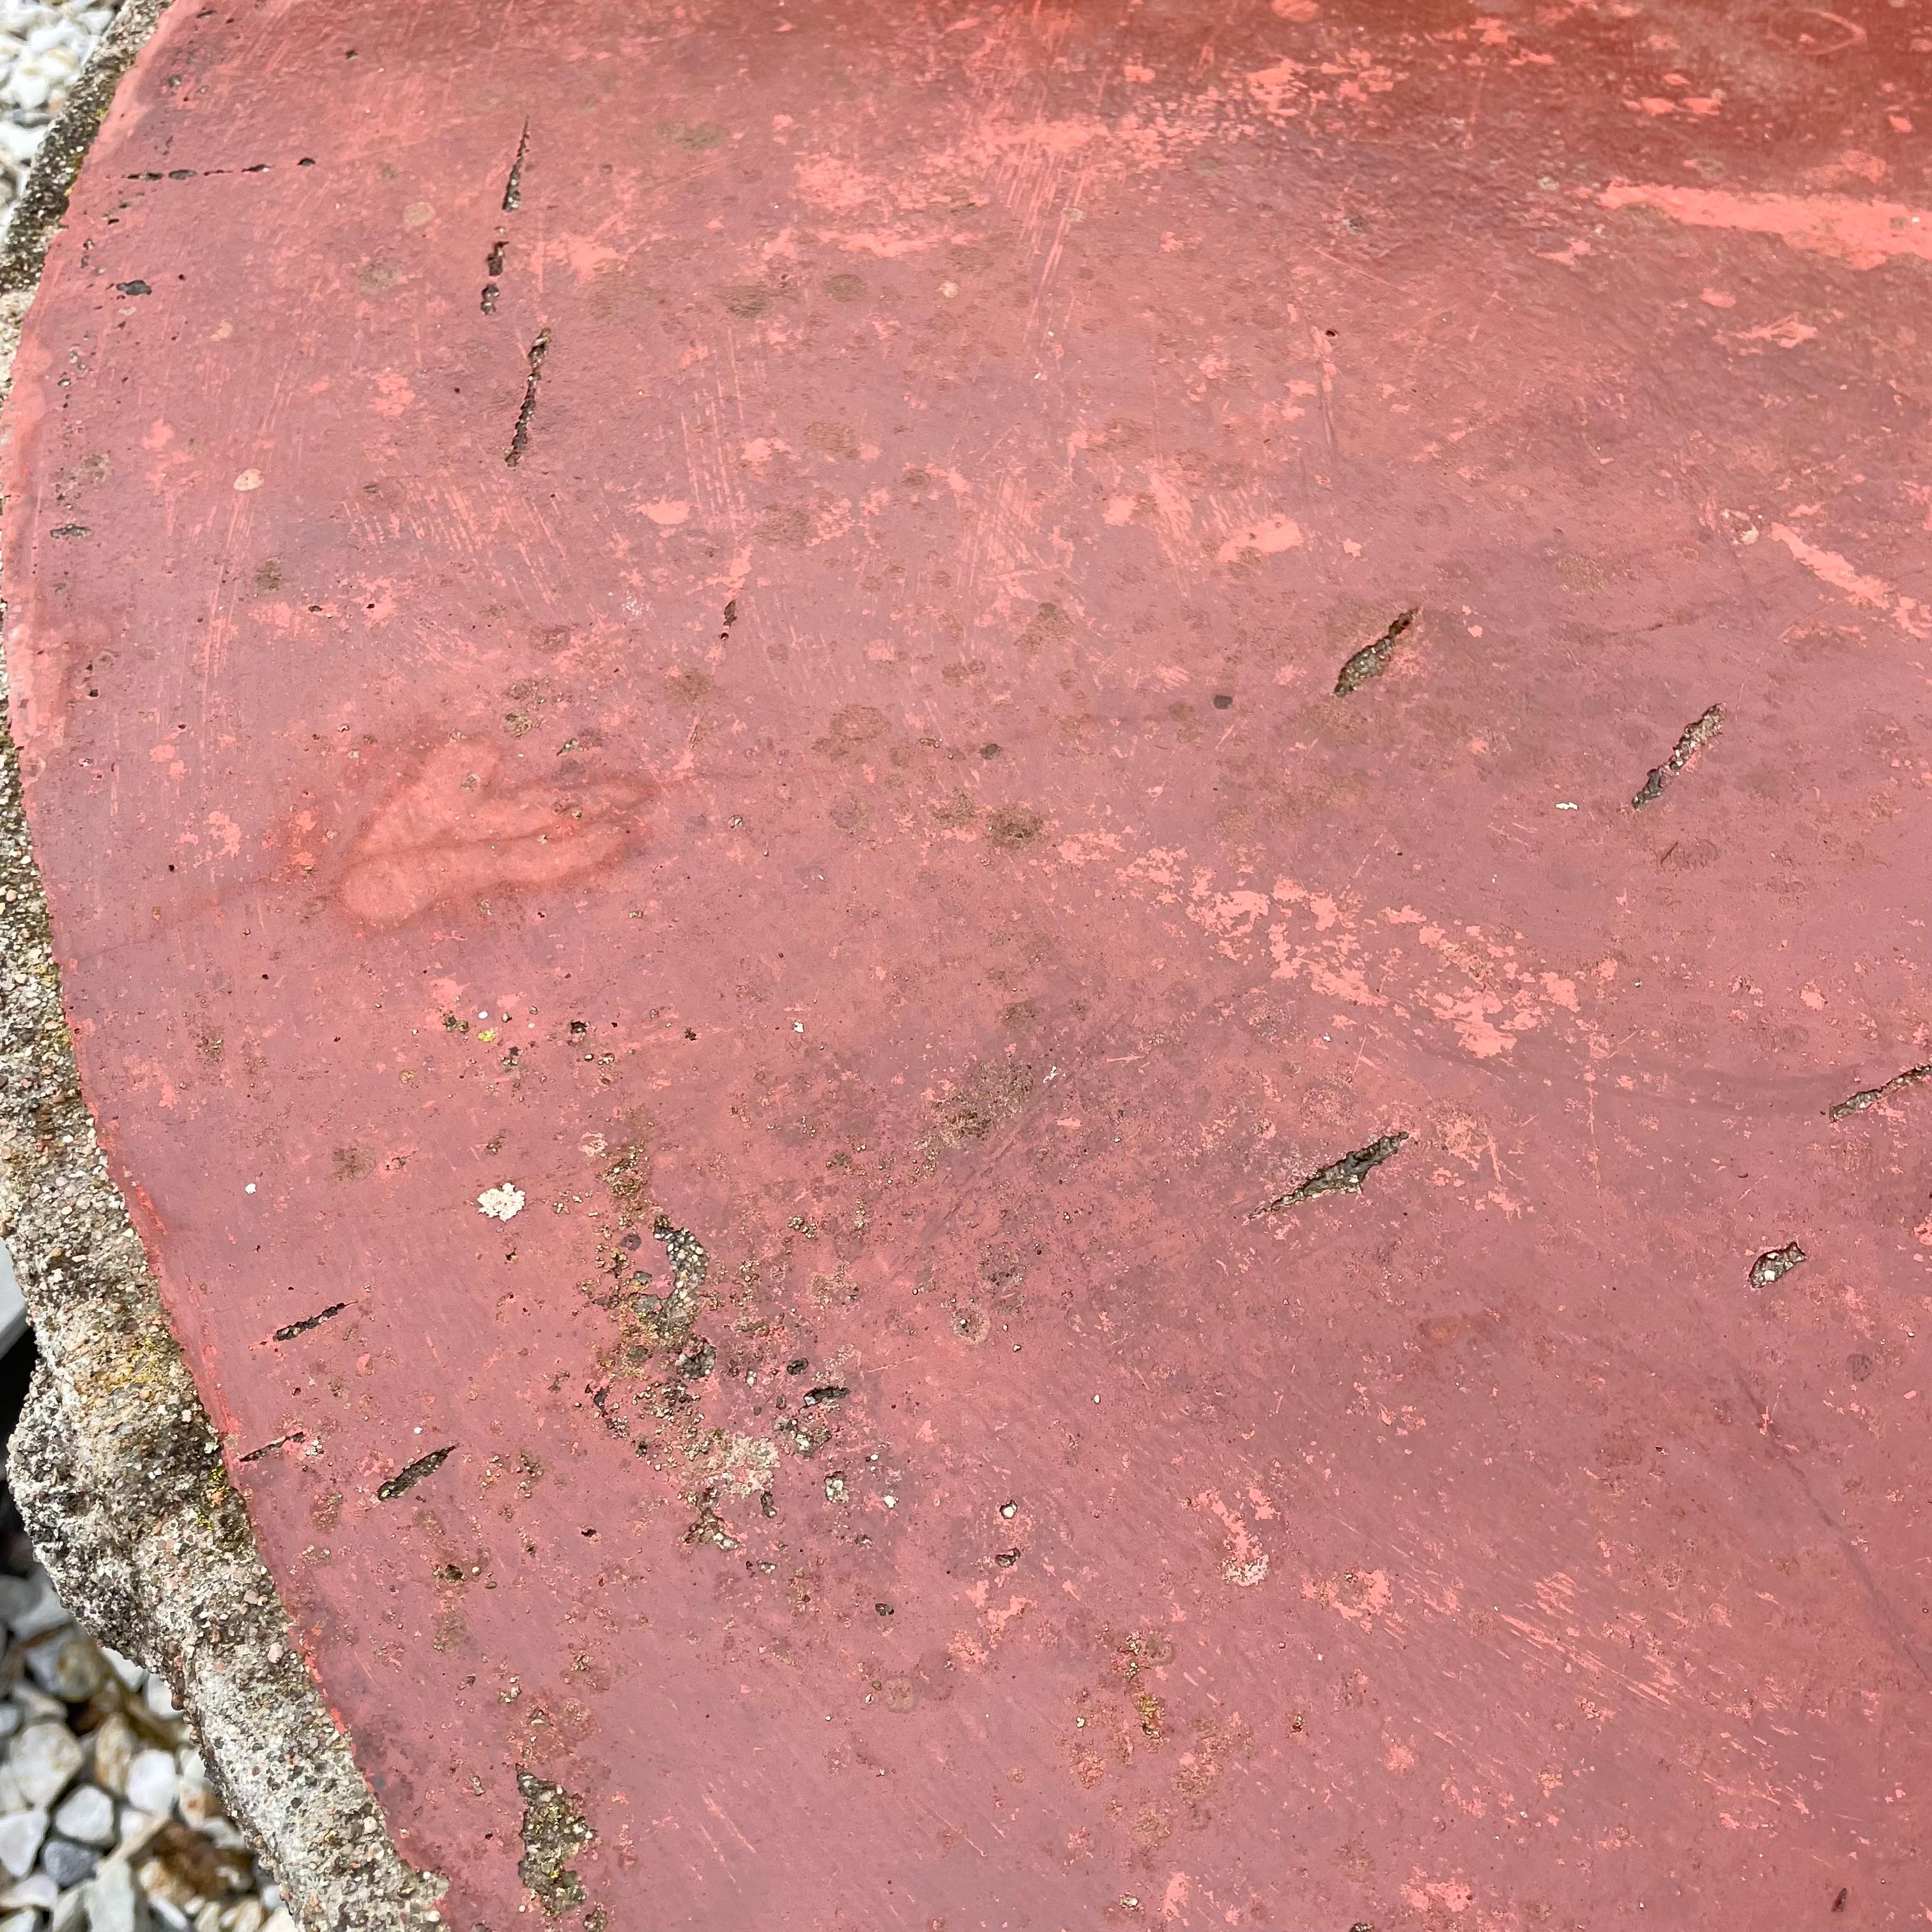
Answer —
(856, 825)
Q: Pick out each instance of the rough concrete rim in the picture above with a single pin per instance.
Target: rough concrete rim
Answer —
(115, 1465)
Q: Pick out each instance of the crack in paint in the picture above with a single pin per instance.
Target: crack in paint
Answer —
(1774, 1262)
(513, 188)
(1690, 741)
(308, 1321)
(1870, 1097)
(411, 1473)
(1372, 660)
(520, 437)
(1344, 1176)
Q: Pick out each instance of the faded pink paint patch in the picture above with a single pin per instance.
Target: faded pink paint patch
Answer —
(1864, 233)
(1451, 1895)
(1787, 332)
(1360, 1596)
(1837, 570)
(666, 512)
(828, 182)
(1247, 1563)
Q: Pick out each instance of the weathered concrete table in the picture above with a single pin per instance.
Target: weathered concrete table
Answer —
(1005, 928)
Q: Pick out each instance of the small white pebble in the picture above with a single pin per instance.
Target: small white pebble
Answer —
(153, 1782)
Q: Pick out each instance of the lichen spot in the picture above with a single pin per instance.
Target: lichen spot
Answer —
(501, 1203)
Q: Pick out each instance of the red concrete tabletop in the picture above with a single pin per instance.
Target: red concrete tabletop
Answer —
(1008, 926)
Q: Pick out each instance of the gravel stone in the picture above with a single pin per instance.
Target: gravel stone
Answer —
(198, 1802)
(43, 1760)
(35, 1889)
(86, 1815)
(29, 1606)
(170, 1893)
(152, 1782)
(136, 1828)
(130, 1673)
(114, 1902)
(70, 1667)
(66, 1863)
(114, 1744)
(20, 1922)
(21, 1833)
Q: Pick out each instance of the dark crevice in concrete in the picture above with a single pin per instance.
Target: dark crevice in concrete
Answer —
(1693, 738)
(513, 188)
(269, 1448)
(520, 437)
(1344, 1176)
(308, 1321)
(406, 1477)
(1372, 660)
(200, 174)
(1870, 1097)
(1774, 1262)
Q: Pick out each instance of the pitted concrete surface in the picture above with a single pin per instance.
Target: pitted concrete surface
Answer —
(1006, 929)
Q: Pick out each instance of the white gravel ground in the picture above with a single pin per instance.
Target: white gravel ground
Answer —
(107, 1821)
(42, 47)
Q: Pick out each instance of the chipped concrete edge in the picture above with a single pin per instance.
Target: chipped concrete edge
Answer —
(116, 1467)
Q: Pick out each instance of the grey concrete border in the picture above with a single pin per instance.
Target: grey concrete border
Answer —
(116, 1467)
